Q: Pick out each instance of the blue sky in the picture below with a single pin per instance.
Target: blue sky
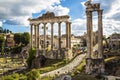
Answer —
(14, 14)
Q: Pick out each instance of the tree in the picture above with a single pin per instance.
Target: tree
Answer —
(8, 30)
(25, 38)
(4, 31)
(17, 38)
(2, 43)
(1, 29)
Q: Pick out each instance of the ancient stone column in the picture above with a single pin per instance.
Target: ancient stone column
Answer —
(91, 36)
(52, 36)
(35, 36)
(31, 36)
(44, 27)
(100, 34)
(89, 33)
(59, 39)
(69, 35)
(67, 25)
(38, 42)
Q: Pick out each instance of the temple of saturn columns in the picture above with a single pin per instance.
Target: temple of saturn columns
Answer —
(49, 17)
(94, 58)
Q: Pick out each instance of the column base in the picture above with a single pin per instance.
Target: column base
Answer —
(68, 54)
(88, 66)
(37, 53)
(59, 54)
(95, 66)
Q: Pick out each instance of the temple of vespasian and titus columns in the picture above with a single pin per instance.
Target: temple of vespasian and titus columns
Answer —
(94, 64)
(49, 17)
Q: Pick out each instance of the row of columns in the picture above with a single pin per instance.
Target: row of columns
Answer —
(36, 35)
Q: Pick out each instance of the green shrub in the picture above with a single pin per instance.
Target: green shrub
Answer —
(2, 40)
(22, 77)
(32, 53)
(33, 75)
(15, 76)
(81, 66)
(16, 49)
(9, 77)
(66, 61)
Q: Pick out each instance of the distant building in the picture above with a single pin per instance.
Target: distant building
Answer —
(81, 40)
(9, 40)
(114, 41)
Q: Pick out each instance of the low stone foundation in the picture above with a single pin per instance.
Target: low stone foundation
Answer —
(38, 61)
(94, 66)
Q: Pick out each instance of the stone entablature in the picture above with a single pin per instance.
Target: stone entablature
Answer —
(49, 17)
(92, 7)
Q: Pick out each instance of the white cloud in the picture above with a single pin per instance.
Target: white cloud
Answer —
(19, 10)
(109, 26)
(59, 10)
(115, 9)
(78, 26)
(0, 24)
(111, 16)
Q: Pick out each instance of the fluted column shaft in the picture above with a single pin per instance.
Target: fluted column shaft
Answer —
(35, 37)
(89, 33)
(59, 35)
(38, 36)
(31, 36)
(69, 35)
(44, 35)
(52, 36)
(67, 25)
(100, 34)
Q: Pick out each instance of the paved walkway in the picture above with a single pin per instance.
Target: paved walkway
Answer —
(112, 78)
(66, 69)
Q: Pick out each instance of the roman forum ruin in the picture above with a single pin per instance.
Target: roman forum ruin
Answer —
(94, 64)
(49, 17)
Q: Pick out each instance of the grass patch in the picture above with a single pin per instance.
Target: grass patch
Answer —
(112, 58)
(78, 69)
(52, 65)
(81, 66)
(46, 69)
(47, 78)
(83, 77)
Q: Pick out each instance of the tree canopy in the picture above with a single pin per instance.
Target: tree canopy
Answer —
(1, 43)
(25, 38)
(17, 38)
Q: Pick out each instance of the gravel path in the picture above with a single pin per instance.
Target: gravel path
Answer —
(66, 69)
